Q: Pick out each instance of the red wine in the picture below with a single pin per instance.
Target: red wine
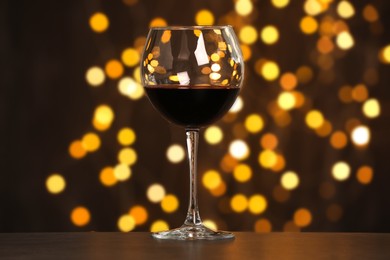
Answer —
(192, 106)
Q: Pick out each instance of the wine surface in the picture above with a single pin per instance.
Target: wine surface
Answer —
(192, 106)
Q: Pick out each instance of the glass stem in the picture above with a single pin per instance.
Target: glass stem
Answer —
(193, 217)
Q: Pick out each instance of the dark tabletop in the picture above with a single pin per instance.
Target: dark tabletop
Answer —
(139, 245)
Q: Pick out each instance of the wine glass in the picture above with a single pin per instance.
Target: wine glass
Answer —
(192, 76)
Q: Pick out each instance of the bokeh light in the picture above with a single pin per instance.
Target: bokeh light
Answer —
(239, 149)
(155, 193)
(126, 223)
(55, 183)
(239, 203)
(169, 203)
(361, 135)
(95, 76)
(80, 216)
(289, 180)
(175, 153)
(213, 135)
(99, 22)
(341, 171)
(302, 217)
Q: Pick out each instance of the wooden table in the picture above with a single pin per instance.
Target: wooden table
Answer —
(139, 245)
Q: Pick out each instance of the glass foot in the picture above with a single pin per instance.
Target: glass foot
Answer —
(198, 232)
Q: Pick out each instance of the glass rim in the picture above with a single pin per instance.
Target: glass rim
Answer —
(191, 27)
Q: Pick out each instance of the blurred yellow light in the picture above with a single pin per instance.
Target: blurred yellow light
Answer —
(90, 142)
(246, 52)
(288, 81)
(360, 93)
(122, 172)
(345, 9)
(95, 76)
(269, 141)
(107, 177)
(312, 7)
(286, 100)
(243, 7)
(169, 203)
(384, 54)
(215, 76)
(365, 174)
(299, 98)
(55, 183)
(239, 203)
(239, 149)
(80, 216)
(99, 126)
(130, 57)
(270, 70)
(139, 214)
(213, 135)
(304, 74)
(155, 193)
(204, 17)
(99, 22)
(76, 150)
(370, 13)
(280, 3)
(220, 190)
(269, 34)
(341, 171)
(263, 225)
(210, 224)
(242, 173)
(104, 115)
(371, 108)
(257, 204)
(166, 36)
(211, 179)
(308, 25)
(280, 163)
(158, 22)
(114, 69)
(248, 34)
(159, 225)
(215, 57)
(302, 217)
(175, 153)
(127, 86)
(137, 74)
(126, 136)
(344, 40)
(127, 156)
(268, 158)
(361, 135)
(254, 123)
(237, 106)
(314, 119)
(338, 140)
(289, 180)
(126, 223)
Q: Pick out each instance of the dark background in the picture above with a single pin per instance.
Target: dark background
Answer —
(45, 103)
